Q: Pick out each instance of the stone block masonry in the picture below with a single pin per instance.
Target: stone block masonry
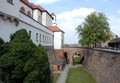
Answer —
(104, 65)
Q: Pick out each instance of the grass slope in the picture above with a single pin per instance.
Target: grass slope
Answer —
(55, 77)
(79, 75)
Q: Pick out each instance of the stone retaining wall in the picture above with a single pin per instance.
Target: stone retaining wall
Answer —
(51, 55)
(104, 65)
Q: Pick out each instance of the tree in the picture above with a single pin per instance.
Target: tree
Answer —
(94, 29)
(24, 62)
(1, 46)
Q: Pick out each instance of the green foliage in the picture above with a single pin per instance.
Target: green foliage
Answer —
(77, 60)
(3, 47)
(24, 62)
(1, 41)
(94, 29)
(55, 77)
(79, 75)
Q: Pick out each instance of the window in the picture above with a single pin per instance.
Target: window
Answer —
(22, 9)
(46, 39)
(43, 38)
(40, 37)
(29, 34)
(37, 37)
(29, 13)
(49, 40)
(10, 1)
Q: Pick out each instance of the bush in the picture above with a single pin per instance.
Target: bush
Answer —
(24, 62)
(3, 47)
(1, 41)
(78, 60)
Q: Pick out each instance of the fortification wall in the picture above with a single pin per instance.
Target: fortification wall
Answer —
(104, 65)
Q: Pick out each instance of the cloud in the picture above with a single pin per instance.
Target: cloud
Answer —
(118, 11)
(43, 1)
(69, 20)
(114, 24)
(80, 12)
(74, 17)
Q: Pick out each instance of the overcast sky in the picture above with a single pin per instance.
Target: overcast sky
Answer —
(71, 13)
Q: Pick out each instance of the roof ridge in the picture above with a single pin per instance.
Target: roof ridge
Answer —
(33, 6)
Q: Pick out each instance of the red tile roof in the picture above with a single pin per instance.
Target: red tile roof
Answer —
(33, 6)
(54, 28)
(26, 2)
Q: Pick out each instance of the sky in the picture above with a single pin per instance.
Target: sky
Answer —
(71, 13)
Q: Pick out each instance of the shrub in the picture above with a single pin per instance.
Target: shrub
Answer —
(3, 47)
(1, 41)
(24, 62)
(78, 60)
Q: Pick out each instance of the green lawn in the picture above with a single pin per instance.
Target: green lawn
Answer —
(79, 75)
(77, 60)
(55, 77)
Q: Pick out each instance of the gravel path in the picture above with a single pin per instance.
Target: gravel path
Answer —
(63, 75)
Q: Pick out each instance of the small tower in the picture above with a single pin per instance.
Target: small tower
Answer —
(54, 20)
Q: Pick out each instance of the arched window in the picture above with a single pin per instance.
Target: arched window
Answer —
(29, 13)
(22, 9)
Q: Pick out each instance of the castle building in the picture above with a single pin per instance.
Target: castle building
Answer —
(39, 23)
(58, 33)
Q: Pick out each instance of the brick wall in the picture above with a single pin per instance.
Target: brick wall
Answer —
(59, 54)
(51, 55)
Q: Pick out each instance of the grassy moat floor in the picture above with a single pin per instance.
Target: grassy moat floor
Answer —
(79, 75)
(55, 77)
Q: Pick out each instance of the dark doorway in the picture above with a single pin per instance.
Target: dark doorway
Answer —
(66, 57)
(58, 68)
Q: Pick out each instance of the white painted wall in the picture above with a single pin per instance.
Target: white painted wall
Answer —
(26, 8)
(6, 29)
(35, 30)
(11, 9)
(48, 38)
(46, 19)
(26, 19)
(37, 15)
(58, 40)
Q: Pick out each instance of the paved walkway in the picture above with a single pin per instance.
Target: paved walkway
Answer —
(63, 75)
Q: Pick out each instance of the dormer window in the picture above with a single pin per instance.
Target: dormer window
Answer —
(29, 13)
(22, 9)
(10, 1)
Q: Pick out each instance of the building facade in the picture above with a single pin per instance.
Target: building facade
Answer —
(18, 14)
(58, 33)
